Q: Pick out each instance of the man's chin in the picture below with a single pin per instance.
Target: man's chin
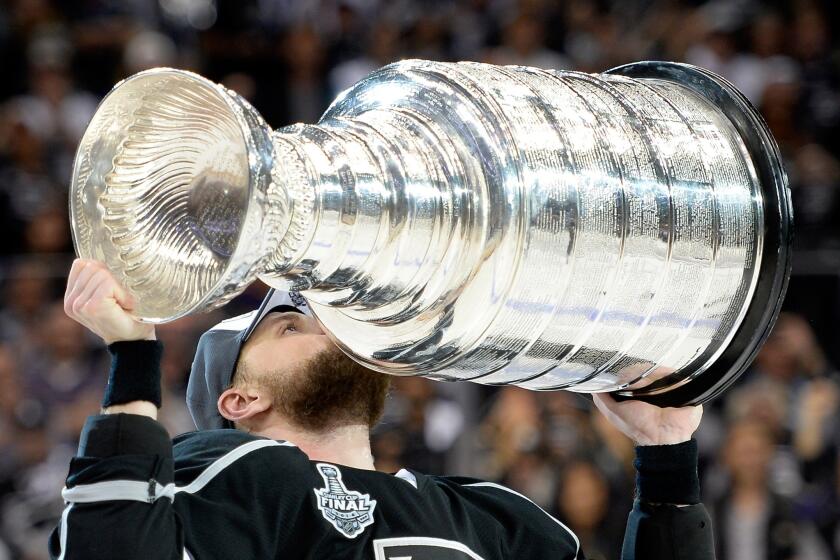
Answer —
(330, 390)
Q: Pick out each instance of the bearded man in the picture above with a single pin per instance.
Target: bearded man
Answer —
(281, 465)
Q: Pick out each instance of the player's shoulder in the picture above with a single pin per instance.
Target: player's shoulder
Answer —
(216, 452)
(476, 487)
(522, 517)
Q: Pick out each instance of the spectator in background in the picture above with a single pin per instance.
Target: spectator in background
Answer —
(591, 511)
(524, 44)
(816, 443)
(57, 108)
(54, 109)
(816, 51)
(533, 474)
(753, 70)
(382, 45)
(63, 367)
(48, 232)
(428, 36)
(719, 52)
(303, 53)
(566, 425)
(388, 448)
(25, 181)
(815, 186)
(11, 395)
(766, 61)
(476, 26)
(593, 40)
(149, 49)
(26, 294)
(780, 100)
(753, 521)
(776, 394)
(420, 425)
(612, 453)
(830, 521)
(29, 507)
(787, 362)
(513, 425)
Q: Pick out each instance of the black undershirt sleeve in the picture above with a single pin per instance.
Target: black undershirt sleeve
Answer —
(667, 474)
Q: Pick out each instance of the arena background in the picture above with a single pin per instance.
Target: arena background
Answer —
(769, 446)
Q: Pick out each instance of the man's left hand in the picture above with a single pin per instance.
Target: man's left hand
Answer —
(647, 424)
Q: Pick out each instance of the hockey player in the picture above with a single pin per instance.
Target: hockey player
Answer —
(281, 465)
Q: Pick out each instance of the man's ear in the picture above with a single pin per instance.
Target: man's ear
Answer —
(239, 404)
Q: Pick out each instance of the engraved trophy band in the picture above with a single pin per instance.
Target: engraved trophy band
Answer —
(626, 231)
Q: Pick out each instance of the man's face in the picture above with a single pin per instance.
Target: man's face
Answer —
(288, 339)
(311, 383)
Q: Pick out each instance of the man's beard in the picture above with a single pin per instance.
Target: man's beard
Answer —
(327, 391)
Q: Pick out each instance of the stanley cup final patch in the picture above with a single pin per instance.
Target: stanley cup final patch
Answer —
(348, 511)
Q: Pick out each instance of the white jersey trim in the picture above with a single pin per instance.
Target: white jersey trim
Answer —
(380, 546)
(514, 492)
(227, 460)
(133, 490)
(62, 539)
(407, 476)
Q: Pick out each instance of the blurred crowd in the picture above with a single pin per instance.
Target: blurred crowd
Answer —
(769, 446)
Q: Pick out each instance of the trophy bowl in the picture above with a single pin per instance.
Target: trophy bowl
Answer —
(164, 189)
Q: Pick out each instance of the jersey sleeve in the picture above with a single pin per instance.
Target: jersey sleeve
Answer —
(668, 522)
(119, 494)
(668, 532)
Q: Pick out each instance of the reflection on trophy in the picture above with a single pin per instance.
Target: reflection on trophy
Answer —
(626, 231)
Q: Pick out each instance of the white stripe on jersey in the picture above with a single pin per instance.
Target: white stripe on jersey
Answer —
(62, 540)
(227, 460)
(133, 490)
(407, 476)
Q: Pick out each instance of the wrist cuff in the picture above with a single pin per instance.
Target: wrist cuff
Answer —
(135, 372)
(667, 474)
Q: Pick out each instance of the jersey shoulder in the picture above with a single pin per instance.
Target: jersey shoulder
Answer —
(528, 528)
(207, 454)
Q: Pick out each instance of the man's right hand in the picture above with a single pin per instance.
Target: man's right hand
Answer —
(95, 299)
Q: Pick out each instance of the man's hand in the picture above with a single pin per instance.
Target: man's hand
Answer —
(647, 424)
(96, 300)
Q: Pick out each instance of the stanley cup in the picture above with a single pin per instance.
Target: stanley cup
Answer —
(626, 231)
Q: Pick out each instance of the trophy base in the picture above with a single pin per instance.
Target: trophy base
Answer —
(699, 386)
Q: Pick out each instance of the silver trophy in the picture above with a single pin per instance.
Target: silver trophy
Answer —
(626, 231)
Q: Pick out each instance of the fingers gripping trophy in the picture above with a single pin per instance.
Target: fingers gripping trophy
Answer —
(625, 232)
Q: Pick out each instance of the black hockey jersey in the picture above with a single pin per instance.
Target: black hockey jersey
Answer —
(133, 493)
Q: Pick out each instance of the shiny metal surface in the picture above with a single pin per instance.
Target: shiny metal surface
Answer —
(510, 225)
